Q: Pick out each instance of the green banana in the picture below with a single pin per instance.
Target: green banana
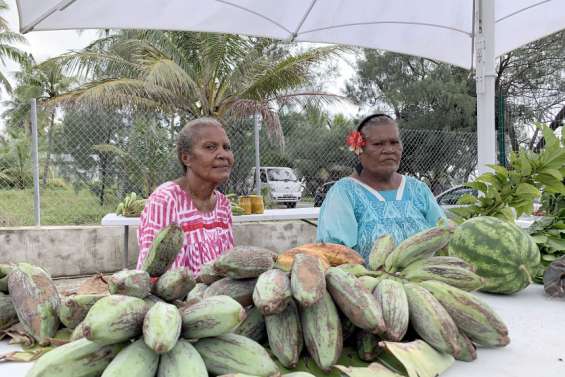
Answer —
(383, 246)
(182, 361)
(418, 246)
(474, 317)
(468, 350)
(135, 360)
(390, 293)
(231, 353)
(161, 327)
(285, 335)
(431, 320)
(81, 358)
(357, 303)
(452, 275)
(442, 261)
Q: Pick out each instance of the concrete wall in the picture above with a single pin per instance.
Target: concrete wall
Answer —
(82, 250)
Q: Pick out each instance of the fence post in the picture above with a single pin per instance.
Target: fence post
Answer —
(501, 139)
(257, 156)
(35, 159)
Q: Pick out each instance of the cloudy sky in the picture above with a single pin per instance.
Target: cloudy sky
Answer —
(45, 44)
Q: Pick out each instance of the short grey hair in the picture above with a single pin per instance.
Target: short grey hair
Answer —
(190, 133)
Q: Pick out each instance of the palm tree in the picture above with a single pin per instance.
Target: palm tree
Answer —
(49, 77)
(7, 49)
(15, 161)
(195, 74)
(43, 82)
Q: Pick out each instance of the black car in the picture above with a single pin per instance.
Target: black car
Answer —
(321, 192)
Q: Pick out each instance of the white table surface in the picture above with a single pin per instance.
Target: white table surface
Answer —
(537, 349)
(308, 213)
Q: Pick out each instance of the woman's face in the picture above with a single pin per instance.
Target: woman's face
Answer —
(211, 158)
(383, 151)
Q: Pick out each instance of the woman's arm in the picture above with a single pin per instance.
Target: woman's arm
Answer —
(434, 211)
(157, 214)
(337, 222)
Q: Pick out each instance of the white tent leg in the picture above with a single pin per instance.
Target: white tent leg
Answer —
(486, 76)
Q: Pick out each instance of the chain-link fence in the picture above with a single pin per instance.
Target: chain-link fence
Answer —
(89, 160)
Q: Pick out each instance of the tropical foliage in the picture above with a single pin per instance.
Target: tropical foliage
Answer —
(194, 74)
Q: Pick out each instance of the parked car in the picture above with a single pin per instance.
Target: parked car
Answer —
(284, 186)
(321, 192)
(448, 199)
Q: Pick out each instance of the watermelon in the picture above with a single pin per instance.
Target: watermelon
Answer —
(504, 255)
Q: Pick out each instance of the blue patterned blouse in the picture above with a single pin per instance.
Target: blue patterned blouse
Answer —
(355, 215)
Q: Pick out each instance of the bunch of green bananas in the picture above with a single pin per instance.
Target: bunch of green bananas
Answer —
(132, 206)
(236, 210)
(414, 286)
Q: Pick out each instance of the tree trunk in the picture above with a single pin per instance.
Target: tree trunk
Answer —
(513, 139)
(104, 160)
(49, 146)
(172, 128)
(103, 173)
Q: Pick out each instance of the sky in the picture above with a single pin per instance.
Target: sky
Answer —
(46, 44)
(42, 44)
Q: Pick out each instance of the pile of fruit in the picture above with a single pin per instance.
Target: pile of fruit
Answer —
(257, 313)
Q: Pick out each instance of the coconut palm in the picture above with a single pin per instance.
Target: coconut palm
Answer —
(42, 82)
(15, 160)
(195, 74)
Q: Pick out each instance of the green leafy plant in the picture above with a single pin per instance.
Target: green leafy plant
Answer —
(510, 192)
(549, 233)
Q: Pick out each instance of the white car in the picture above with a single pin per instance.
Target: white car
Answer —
(284, 186)
(448, 199)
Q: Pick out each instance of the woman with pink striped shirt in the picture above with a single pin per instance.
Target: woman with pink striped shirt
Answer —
(193, 201)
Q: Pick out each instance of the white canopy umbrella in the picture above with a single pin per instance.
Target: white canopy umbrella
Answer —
(459, 32)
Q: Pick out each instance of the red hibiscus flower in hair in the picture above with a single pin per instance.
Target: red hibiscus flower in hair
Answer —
(355, 142)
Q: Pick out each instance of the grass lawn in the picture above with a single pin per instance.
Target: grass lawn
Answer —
(61, 206)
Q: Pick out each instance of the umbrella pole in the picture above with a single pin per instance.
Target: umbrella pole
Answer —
(486, 76)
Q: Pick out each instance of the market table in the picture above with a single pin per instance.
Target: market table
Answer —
(537, 349)
(304, 214)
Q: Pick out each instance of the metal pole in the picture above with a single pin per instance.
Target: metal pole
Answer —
(257, 157)
(501, 141)
(35, 159)
(126, 246)
(486, 76)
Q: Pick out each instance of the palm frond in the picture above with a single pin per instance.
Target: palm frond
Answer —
(244, 108)
(11, 37)
(290, 73)
(313, 99)
(87, 65)
(166, 73)
(110, 149)
(13, 53)
(4, 82)
(112, 93)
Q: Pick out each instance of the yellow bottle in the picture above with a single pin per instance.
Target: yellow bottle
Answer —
(257, 204)
(245, 203)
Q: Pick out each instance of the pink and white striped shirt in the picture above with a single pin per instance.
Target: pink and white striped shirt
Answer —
(207, 235)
